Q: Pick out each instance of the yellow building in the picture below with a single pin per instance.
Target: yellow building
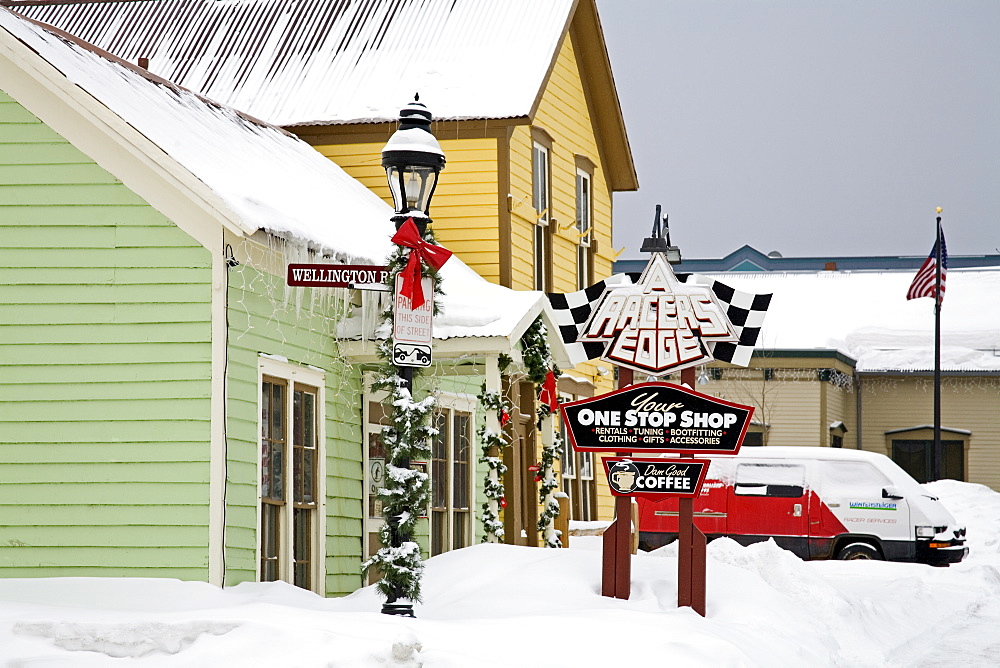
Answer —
(526, 112)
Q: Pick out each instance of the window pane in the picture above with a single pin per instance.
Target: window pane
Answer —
(302, 547)
(277, 472)
(914, 458)
(265, 469)
(460, 530)
(309, 476)
(953, 466)
(587, 465)
(269, 532)
(309, 439)
(439, 531)
(462, 446)
(277, 412)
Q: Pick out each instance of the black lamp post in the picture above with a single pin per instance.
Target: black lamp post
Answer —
(412, 159)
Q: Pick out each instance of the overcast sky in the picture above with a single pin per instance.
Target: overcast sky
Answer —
(810, 127)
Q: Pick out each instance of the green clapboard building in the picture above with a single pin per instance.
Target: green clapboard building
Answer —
(169, 407)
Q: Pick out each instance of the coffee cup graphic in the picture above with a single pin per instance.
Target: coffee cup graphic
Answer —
(622, 477)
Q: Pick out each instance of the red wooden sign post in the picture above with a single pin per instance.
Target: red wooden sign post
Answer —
(656, 418)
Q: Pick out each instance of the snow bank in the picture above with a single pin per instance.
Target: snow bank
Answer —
(501, 605)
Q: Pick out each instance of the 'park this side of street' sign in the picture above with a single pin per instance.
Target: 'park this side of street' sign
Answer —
(655, 478)
(656, 417)
(412, 327)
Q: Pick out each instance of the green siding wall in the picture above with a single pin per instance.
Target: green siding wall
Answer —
(104, 370)
(265, 316)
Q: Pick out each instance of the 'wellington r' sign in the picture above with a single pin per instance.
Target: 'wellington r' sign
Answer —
(335, 275)
(656, 417)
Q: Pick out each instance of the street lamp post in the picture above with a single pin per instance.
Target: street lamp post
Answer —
(412, 159)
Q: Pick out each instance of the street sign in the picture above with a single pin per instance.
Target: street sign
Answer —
(412, 327)
(334, 275)
(655, 478)
(656, 417)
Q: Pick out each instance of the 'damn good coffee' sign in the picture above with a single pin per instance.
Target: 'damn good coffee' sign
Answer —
(656, 417)
(655, 478)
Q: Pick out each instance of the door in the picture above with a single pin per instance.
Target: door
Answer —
(770, 500)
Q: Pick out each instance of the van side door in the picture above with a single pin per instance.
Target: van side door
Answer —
(769, 500)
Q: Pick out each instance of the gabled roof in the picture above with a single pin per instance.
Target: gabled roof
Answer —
(173, 147)
(319, 62)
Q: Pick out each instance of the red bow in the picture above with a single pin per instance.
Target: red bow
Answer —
(548, 393)
(435, 256)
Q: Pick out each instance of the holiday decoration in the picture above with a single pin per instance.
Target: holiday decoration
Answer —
(493, 444)
(544, 373)
(407, 438)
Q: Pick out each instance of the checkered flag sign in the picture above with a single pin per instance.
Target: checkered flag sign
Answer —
(745, 311)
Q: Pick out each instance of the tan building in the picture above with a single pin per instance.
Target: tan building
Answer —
(843, 349)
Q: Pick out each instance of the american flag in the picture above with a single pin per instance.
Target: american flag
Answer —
(923, 284)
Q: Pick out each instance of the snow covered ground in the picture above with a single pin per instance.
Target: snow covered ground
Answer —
(494, 605)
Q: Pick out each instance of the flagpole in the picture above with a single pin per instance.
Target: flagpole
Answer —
(938, 454)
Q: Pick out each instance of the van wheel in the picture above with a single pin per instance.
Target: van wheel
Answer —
(859, 551)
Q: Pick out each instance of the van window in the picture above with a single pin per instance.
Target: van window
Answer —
(851, 477)
(782, 480)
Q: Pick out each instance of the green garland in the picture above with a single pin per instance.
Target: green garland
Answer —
(538, 362)
(493, 444)
(407, 438)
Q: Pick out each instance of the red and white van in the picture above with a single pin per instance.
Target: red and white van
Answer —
(820, 503)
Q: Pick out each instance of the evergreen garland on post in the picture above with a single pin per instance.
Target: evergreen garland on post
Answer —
(492, 444)
(407, 438)
(538, 361)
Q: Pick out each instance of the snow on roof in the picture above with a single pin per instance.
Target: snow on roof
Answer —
(268, 179)
(316, 61)
(867, 317)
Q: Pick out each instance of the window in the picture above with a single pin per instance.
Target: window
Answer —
(578, 479)
(451, 482)
(584, 257)
(916, 457)
(290, 480)
(781, 480)
(541, 199)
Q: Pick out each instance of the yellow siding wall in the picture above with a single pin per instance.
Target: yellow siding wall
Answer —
(464, 208)
(563, 114)
(966, 403)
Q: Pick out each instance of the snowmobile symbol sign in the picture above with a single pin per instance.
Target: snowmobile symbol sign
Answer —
(656, 417)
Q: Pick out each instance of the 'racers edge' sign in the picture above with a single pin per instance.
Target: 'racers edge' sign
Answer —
(656, 417)
(655, 478)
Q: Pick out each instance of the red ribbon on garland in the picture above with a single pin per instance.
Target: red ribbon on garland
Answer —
(433, 255)
(548, 393)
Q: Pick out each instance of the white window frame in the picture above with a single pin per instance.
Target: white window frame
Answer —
(449, 404)
(293, 375)
(541, 199)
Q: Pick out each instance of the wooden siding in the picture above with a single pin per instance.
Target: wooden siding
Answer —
(564, 114)
(465, 205)
(104, 370)
(265, 316)
(969, 403)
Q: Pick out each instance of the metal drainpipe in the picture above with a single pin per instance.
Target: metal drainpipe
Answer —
(857, 403)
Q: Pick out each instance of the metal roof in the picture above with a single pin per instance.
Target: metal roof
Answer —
(332, 61)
